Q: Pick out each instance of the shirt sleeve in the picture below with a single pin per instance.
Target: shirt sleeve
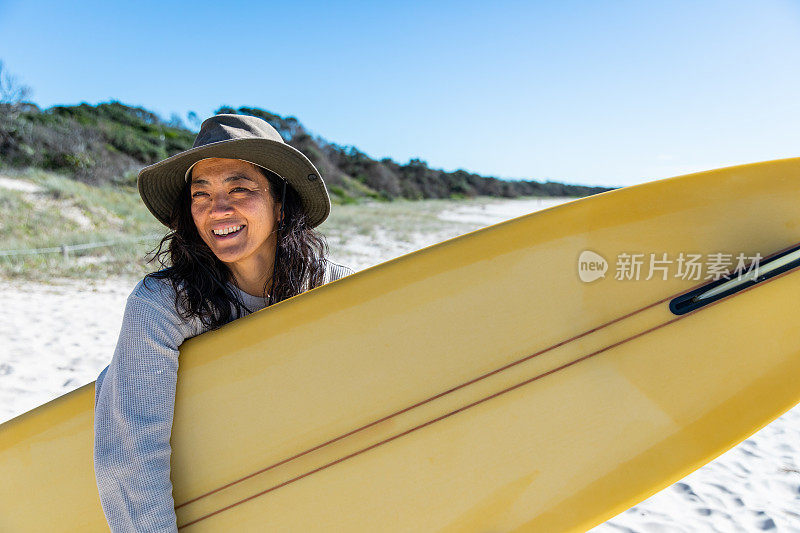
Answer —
(134, 407)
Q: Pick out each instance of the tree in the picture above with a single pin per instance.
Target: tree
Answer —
(193, 120)
(12, 95)
(12, 92)
(175, 121)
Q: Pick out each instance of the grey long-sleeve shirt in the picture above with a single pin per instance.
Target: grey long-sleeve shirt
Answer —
(134, 406)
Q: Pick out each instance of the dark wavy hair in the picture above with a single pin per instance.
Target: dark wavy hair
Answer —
(200, 279)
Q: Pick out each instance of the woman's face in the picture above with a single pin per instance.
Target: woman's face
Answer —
(233, 210)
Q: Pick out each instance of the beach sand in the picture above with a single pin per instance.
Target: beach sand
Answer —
(59, 336)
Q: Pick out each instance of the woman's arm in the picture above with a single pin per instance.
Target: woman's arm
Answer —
(133, 420)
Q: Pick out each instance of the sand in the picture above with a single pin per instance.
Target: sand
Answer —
(59, 336)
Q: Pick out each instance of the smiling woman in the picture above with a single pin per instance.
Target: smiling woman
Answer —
(242, 207)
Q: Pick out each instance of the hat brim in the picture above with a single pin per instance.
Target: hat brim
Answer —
(160, 184)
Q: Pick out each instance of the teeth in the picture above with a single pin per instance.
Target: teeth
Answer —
(225, 231)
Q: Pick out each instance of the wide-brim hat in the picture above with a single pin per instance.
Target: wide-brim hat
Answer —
(235, 137)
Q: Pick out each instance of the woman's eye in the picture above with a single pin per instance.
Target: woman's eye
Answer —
(198, 194)
(240, 189)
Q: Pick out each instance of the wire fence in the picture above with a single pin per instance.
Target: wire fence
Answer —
(65, 249)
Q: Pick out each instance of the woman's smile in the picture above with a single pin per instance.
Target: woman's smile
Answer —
(228, 231)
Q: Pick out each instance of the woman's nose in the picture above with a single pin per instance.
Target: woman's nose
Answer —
(220, 205)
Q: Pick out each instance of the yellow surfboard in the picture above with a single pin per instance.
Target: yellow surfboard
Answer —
(543, 374)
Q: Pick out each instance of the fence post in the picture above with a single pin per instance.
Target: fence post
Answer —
(65, 251)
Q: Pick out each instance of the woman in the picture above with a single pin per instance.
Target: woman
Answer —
(242, 206)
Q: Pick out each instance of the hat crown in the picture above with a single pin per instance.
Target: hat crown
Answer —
(226, 127)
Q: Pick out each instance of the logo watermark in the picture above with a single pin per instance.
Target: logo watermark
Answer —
(591, 266)
(635, 266)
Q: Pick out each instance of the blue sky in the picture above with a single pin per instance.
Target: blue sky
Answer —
(595, 92)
